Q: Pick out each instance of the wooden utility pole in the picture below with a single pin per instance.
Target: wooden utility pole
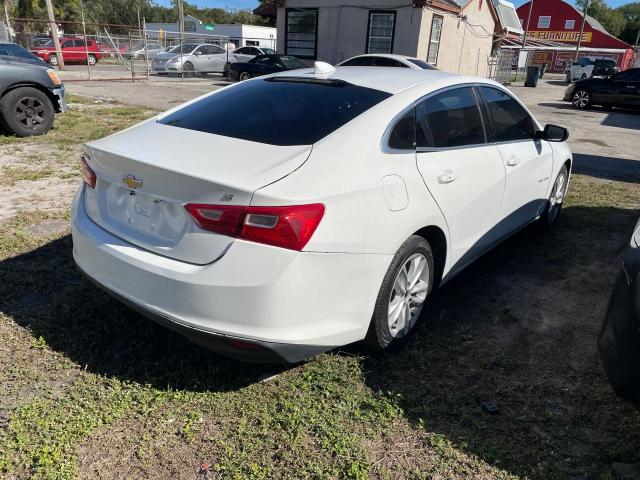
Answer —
(526, 28)
(54, 34)
(181, 18)
(584, 19)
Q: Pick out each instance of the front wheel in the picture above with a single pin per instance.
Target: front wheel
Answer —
(26, 111)
(244, 76)
(404, 289)
(556, 199)
(91, 60)
(581, 99)
(188, 69)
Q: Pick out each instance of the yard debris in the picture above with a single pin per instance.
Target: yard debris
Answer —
(492, 406)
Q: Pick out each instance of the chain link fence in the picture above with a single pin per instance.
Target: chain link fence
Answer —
(92, 51)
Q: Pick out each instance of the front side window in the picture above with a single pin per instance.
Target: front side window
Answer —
(509, 120)
(11, 50)
(278, 110)
(544, 21)
(301, 32)
(380, 32)
(434, 40)
(449, 119)
(629, 76)
(359, 62)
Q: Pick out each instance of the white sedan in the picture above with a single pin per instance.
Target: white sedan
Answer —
(386, 60)
(286, 215)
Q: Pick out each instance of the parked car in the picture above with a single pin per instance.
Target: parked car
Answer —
(74, 50)
(284, 216)
(263, 65)
(619, 339)
(244, 54)
(588, 67)
(386, 60)
(12, 51)
(191, 58)
(620, 89)
(30, 95)
(151, 49)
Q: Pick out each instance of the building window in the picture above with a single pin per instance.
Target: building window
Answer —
(569, 24)
(544, 21)
(254, 43)
(434, 40)
(301, 34)
(380, 32)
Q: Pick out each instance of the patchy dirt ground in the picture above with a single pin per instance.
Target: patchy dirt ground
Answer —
(89, 389)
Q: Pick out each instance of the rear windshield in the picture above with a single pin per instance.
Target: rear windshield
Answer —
(278, 110)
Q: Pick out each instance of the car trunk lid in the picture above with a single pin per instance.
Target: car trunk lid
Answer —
(146, 174)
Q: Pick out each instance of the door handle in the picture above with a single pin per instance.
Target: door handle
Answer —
(513, 161)
(447, 177)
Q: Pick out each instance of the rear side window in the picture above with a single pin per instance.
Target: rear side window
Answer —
(403, 135)
(449, 119)
(422, 64)
(277, 111)
(389, 62)
(359, 62)
(509, 120)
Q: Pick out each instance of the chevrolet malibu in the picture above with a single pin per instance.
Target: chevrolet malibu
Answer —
(286, 215)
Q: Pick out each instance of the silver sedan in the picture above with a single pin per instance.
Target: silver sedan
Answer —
(191, 58)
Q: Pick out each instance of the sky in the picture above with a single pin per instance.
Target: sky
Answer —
(244, 4)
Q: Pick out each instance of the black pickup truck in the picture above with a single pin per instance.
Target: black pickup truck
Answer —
(30, 95)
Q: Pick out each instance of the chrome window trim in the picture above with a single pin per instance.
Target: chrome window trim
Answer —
(384, 144)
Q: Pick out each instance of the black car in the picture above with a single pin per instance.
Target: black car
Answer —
(12, 51)
(30, 95)
(619, 340)
(263, 65)
(620, 89)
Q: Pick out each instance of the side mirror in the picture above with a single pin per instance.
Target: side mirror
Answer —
(553, 133)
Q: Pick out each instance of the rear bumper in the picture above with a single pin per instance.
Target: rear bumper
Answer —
(290, 304)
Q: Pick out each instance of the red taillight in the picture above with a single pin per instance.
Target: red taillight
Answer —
(88, 174)
(287, 227)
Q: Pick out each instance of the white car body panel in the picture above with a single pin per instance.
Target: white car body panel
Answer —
(375, 198)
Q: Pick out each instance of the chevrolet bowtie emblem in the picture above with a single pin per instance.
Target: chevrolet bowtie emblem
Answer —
(131, 182)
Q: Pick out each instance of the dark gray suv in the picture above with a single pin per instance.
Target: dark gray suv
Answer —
(30, 96)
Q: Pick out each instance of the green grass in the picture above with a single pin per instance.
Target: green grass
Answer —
(10, 174)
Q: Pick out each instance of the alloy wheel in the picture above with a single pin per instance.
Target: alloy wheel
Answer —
(29, 112)
(244, 76)
(408, 294)
(581, 99)
(53, 60)
(557, 195)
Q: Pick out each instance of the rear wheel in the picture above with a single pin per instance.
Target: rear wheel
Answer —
(27, 111)
(404, 289)
(244, 76)
(581, 99)
(53, 60)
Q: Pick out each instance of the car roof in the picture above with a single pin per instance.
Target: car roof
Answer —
(391, 80)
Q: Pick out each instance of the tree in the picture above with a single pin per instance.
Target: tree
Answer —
(611, 19)
(631, 12)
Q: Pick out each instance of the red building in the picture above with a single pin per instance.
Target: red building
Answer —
(558, 21)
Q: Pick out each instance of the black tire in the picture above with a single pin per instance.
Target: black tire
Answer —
(53, 60)
(188, 70)
(27, 111)
(381, 335)
(244, 76)
(581, 98)
(583, 77)
(91, 60)
(554, 204)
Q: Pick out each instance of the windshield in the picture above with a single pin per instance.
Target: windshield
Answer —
(278, 110)
(185, 48)
(11, 50)
(268, 51)
(291, 62)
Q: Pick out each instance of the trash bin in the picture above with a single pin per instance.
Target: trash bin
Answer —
(533, 74)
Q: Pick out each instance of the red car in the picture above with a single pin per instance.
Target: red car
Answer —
(74, 50)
